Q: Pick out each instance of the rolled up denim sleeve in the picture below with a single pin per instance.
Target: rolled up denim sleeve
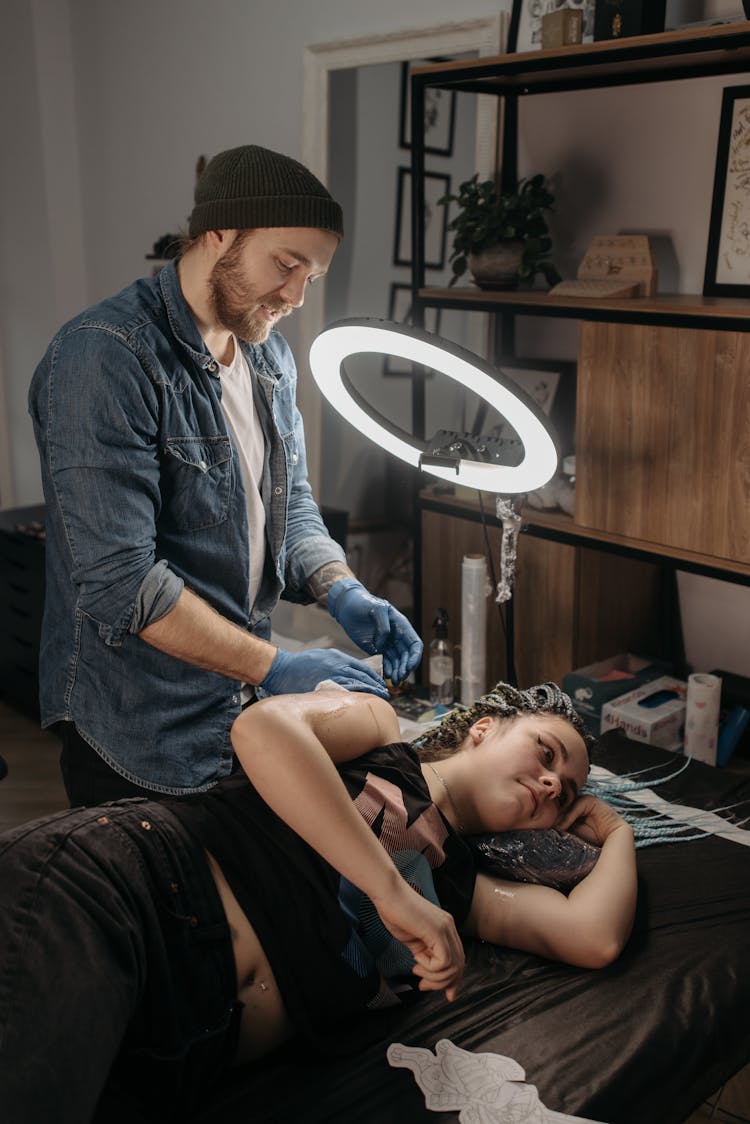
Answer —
(97, 421)
(156, 597)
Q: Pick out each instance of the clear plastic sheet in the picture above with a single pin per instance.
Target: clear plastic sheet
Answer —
(550, 857)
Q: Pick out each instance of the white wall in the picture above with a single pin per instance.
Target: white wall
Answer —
(105, 107)
(40, 232)
(365, 157)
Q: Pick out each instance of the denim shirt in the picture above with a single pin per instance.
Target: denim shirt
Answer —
(144, 496)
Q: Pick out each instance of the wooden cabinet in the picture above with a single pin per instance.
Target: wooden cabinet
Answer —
(22, 557)
(662, 407)
(663, 452)
(571, 603)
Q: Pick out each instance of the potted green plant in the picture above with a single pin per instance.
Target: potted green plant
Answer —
(502, 238)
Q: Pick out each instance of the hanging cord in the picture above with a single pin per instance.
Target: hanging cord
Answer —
(511, 526)
(506, 620)
(511, 522)
(490, 558)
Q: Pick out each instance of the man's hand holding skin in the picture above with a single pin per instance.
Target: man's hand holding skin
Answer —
(294, 672)
(375, 626)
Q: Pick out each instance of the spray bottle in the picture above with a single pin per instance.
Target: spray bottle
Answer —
(441, 662)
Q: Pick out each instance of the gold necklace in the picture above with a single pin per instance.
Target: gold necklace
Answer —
(451, 801)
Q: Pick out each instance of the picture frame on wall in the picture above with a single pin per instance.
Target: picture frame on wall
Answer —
(550, 383)
(728, 252)
(538, 381)
(439, 114)
(525, 30)
(436, 185)
(399, 312)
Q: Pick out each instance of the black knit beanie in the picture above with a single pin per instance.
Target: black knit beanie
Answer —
(249, 187)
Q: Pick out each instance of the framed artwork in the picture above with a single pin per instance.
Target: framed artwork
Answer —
(399, 311)
(540, 384)
(525, 31)
(436, 184)
(439, 114)
(539, 378)
(728, 255)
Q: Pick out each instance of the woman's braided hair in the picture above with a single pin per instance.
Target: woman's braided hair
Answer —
(650, 825)
(503, 701)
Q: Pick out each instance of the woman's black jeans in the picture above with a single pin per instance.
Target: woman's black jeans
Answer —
(117, 976)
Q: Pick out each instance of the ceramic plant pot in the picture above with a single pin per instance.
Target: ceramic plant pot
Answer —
(497, 266)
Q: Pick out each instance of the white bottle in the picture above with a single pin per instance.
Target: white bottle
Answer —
(441, 662)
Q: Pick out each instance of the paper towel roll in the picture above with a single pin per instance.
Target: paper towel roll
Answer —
(474, 591)
(702, 717)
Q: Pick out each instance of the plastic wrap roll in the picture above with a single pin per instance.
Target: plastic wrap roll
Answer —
(702, 717)
(474, 590)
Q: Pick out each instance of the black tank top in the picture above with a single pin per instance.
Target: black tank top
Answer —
(329, 952)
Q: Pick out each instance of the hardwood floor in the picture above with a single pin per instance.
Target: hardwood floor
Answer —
(33, 787)
(730, 1106)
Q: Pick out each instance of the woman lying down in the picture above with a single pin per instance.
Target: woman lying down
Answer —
(145, 946)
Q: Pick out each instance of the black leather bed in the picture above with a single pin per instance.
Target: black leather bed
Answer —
(642, 1042)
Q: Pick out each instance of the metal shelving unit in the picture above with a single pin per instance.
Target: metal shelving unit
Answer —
(668, 56)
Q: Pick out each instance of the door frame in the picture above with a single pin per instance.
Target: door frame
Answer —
(7, 487)
(483, 35)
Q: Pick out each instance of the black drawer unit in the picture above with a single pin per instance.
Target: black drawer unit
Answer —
(21, 605)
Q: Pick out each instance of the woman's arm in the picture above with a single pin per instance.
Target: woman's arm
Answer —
(587, 928)
(287, 745)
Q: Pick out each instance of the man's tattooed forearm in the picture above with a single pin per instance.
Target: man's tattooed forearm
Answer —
(321, 581)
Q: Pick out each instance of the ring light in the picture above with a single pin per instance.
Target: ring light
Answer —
(350, 337)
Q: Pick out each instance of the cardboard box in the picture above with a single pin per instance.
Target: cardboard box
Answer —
(563, 28)
(652, 713)
(592, 686)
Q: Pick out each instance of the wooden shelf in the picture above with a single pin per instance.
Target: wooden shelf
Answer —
(559, 527)
(668, 309)
(669, 55)
(564, 528)
(562, 595)
(661, 452)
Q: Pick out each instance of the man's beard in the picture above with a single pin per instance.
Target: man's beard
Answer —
(235, 303)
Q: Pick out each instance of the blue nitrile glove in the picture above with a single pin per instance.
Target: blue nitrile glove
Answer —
(375, 626)
(293, 672)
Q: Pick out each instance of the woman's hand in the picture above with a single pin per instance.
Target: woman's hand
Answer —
(431, 936)
(591, 819)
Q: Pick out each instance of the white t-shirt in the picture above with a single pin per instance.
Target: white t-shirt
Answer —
(239, 410)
